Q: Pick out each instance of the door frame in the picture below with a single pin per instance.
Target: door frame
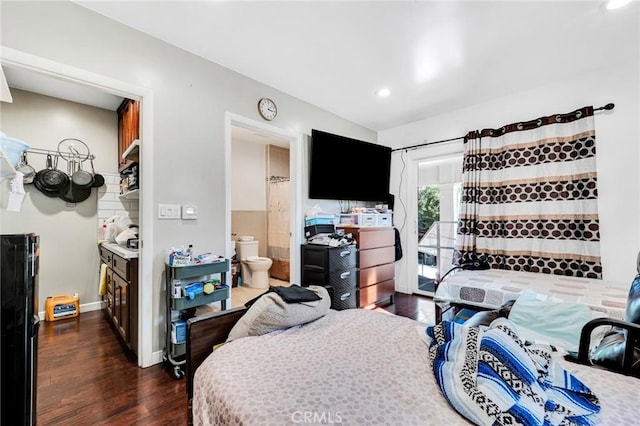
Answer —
(437, 152)
(295, 171)
(22, 60)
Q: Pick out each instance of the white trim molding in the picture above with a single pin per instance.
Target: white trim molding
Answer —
(295, 170)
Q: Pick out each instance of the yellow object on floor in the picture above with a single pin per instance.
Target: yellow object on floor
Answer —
(62, 306)
(103, 279)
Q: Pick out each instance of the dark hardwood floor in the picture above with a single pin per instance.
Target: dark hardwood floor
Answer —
(85, 378)
(420, 308)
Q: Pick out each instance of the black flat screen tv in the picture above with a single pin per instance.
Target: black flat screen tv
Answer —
(342, 168)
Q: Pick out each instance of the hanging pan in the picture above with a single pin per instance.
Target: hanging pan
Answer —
(51, 181)
(98, 179)
(74, 193)
(80, 178)
(28, 172)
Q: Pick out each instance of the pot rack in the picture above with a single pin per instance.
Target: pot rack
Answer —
(70, 149)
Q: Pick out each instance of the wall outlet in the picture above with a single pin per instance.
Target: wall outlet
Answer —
(168, 211)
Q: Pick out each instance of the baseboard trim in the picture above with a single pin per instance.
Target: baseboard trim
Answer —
(88, 307)
(157, 357)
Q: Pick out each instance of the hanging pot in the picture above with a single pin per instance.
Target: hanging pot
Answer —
(74, 193)
(98, 179)
(82, 178)
(28, 172)
(51, 181)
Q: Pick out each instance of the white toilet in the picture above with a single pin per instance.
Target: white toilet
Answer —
(255, 269)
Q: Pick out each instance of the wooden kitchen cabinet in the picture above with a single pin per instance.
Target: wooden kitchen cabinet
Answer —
(376, 263)
(128, 127)
(120, 301)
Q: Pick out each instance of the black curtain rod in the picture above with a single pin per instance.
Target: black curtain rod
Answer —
(427, 143)
(608, 106)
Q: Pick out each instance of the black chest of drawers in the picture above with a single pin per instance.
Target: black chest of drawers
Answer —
(335, 268)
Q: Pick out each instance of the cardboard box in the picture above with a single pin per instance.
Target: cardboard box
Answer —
(178, 332)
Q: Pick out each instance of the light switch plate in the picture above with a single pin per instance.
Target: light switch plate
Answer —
(168, 211)
(189, 211)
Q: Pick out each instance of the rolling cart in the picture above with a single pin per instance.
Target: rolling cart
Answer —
(182, 303)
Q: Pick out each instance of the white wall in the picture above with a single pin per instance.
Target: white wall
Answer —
(69, 261)
(618, 152)
(191, 97)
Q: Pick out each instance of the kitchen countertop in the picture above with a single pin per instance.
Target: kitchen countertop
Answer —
(121, 251)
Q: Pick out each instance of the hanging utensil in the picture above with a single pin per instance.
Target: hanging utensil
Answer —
(80, 178)
(28, 172)
(74, 193)
(98, 179)
(73, 148)
(51, 181)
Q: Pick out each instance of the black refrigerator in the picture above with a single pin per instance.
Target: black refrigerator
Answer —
(19, 323)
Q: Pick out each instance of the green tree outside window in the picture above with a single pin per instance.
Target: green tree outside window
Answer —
(428, 208)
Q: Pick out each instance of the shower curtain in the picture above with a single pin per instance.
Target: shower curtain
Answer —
(278, 227)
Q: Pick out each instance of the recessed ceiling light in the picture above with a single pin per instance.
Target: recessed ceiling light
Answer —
(383, 93)
(615, 4)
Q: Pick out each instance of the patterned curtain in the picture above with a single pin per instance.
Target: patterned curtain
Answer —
(529, 198)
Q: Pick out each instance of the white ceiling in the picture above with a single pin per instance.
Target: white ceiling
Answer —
(36, 82)
(434, 56)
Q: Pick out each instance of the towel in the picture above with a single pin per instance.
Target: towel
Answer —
(103, 279)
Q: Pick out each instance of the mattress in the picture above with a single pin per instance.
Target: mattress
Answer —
(353, 366)
(491, 288)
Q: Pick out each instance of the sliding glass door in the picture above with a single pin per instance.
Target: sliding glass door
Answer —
(428, 219)
(438, 201)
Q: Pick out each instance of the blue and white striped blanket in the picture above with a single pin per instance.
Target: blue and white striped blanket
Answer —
(491, 378)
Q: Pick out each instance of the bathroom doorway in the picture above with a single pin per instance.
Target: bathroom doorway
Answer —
(262, 200)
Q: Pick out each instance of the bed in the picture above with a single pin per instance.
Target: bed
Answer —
(492, 288)
(354, 366)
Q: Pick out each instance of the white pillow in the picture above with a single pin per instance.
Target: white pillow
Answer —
(541, 320)
(270, 313)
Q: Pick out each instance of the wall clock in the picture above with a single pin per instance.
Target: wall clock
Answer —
(267, 109)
